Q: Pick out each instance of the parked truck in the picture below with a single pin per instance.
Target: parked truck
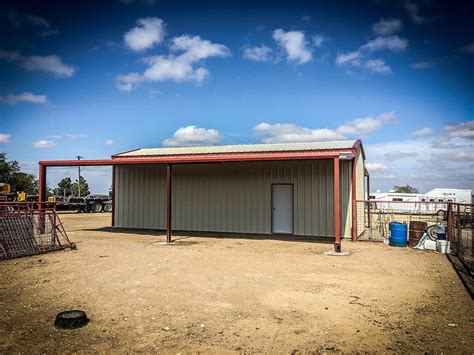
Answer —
(92, 203)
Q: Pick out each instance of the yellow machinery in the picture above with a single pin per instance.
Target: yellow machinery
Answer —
(5, 188)
(21, 196)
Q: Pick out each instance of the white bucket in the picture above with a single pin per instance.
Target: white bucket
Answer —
(443, 246)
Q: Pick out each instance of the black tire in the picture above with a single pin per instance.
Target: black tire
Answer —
(97, 208)
(108, 207)
(71, 319)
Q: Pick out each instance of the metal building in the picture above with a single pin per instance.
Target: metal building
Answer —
(301, 189)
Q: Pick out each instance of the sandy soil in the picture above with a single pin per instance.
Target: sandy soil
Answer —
(231, 295)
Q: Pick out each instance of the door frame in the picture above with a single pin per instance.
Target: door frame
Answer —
(292, 209)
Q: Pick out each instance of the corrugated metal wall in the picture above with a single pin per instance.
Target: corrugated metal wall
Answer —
(232, 197)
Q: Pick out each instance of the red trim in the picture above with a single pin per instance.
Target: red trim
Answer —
(216, 158)
(113, 196)
(42, 183)
(357, 145)
(337, 217)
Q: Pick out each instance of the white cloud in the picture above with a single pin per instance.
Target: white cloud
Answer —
(414, 12)
(387, 27)
(423, 132)
(148, 32)
(423, 65)
(295, 45)
(259, 54)
(288, 132)
(23, 97)
(193, 136)
(49, 63)
(21, 19)
(468, 48)
(176, 67)
(319, 39)
(397, 155)
(435, 162)
(365, 125)
(386, 40)
(459, 156)
(376, 166)
(461, 129)
(349, 58)
(392, 43)
(126, 82)
(109, 142)
(68, 135)
(377, 66)
(44, 144)
(4, 138)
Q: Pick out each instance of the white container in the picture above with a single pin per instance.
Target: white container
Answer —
(429, 244)
(443, 246)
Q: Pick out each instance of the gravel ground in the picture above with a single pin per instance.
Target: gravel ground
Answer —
(231, 294)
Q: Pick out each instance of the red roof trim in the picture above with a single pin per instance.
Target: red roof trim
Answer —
(210, 158)
(357, 145)
(258, 153)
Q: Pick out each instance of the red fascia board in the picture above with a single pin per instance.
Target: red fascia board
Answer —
(224, 155)
(357, 145)
(210, 158)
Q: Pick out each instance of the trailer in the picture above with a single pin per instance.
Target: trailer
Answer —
(432, 202)
(93, 203)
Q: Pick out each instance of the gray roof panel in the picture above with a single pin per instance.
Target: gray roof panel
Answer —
(242, 148)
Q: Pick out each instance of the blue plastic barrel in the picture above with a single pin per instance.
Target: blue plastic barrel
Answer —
(398, 234)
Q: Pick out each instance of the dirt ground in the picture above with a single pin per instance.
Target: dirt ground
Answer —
(231, 294)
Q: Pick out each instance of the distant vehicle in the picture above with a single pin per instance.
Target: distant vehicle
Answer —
(434, 201)
(93, 203)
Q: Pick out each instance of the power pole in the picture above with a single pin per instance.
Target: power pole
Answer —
(79, 179)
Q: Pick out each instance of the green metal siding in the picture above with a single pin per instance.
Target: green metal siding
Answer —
(232, 197)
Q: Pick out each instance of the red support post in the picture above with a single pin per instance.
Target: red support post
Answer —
(113, 195)
(168, 203)
(42, 184)
(337, 215)
(354, 197)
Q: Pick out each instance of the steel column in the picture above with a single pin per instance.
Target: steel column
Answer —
(168, 203)
(113, 195)
(42, 183)
(337, 216)
(354, 197)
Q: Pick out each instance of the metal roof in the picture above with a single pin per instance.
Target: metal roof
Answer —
(243, 148)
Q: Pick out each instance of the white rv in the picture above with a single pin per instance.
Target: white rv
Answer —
(434, 201)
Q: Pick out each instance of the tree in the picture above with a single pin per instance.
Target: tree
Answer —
(64, 187)
(406, 189)
(7, 168)
(84, 188)
(24, 182)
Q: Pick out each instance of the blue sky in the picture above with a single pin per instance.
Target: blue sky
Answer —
(97, 78)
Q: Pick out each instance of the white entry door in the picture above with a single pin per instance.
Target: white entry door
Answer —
(282, 208)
